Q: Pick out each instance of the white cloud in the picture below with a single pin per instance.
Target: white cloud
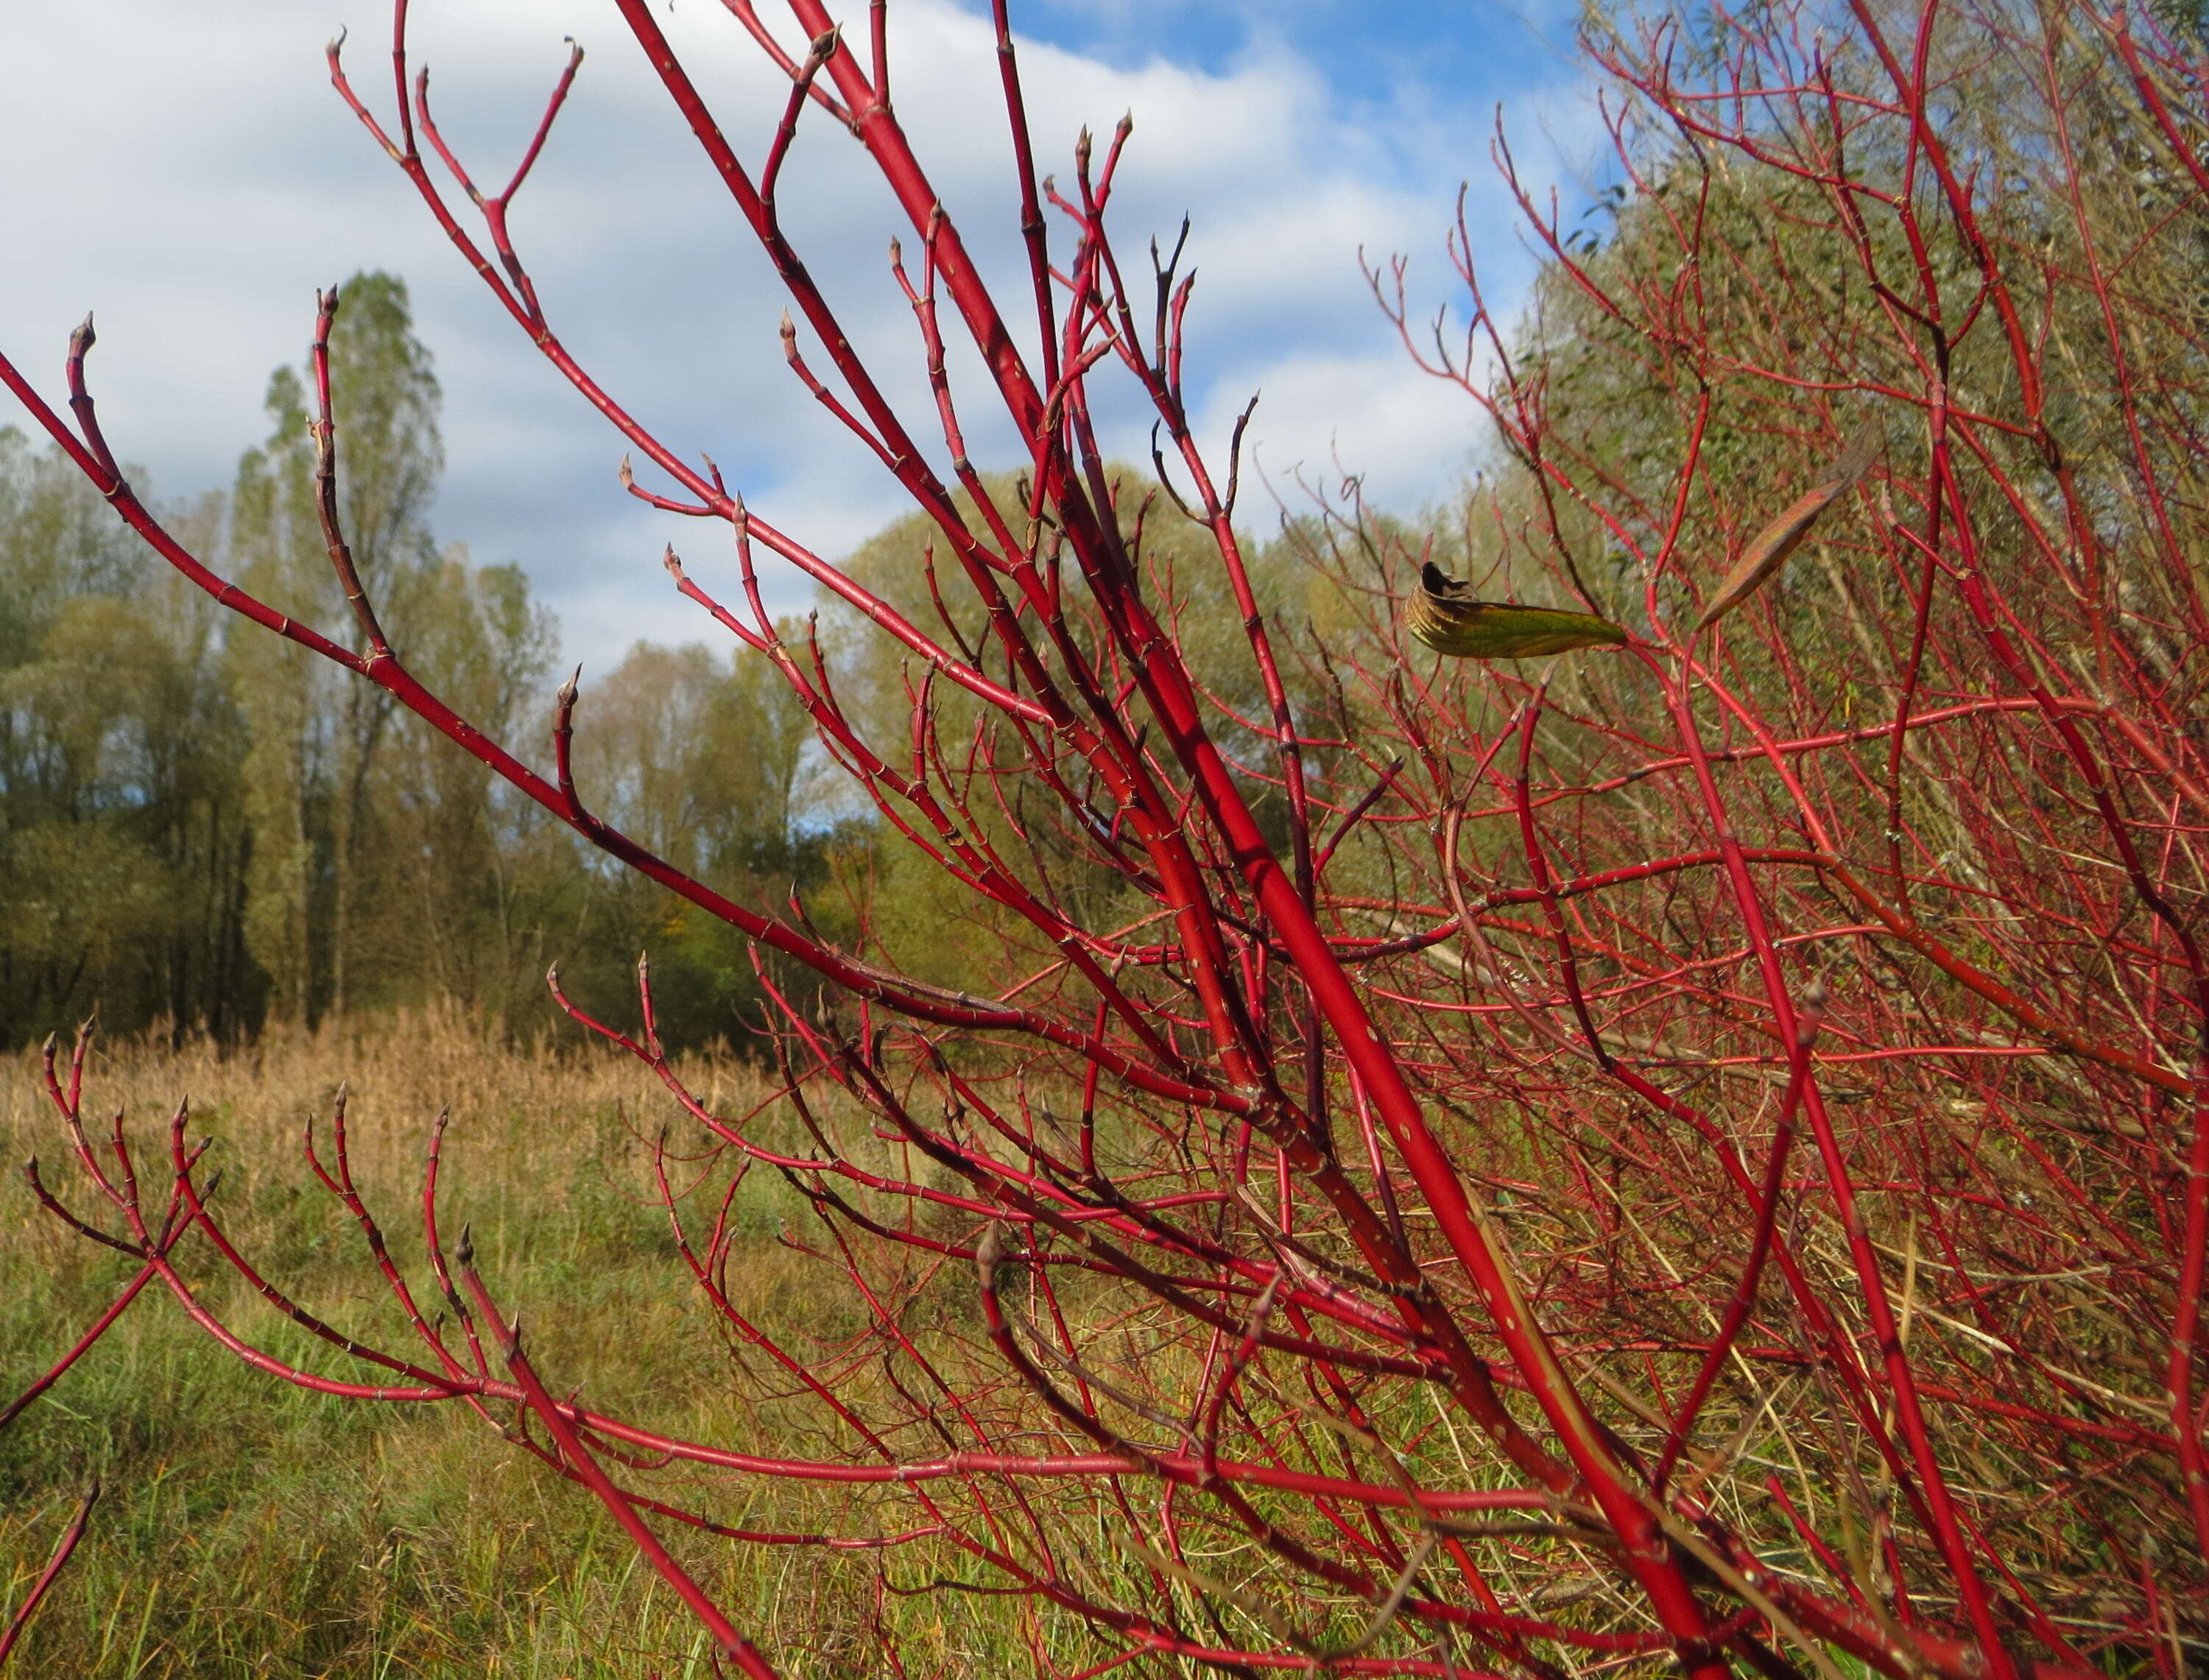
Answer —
(186, 169)
(1342, 416)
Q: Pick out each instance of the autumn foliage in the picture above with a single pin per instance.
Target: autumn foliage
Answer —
(1688, 1153)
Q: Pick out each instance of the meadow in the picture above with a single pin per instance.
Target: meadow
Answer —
(247, 1527)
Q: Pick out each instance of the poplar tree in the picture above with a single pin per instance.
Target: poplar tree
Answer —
(317, 740)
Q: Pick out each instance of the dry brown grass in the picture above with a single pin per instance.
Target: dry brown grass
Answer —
(250, 1528)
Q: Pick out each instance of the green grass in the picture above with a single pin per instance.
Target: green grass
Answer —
(247, 1527)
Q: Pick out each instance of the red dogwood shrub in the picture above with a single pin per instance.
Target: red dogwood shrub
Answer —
(1690, 1152)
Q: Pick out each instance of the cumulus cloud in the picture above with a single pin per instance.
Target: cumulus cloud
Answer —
(186, 170)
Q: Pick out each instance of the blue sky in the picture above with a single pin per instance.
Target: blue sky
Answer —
(197, 178)
(1456, 56)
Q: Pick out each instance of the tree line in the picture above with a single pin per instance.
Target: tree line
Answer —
(207, 832)
(203, 830)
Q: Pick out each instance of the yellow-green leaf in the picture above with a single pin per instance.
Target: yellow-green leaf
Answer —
(1443, 614)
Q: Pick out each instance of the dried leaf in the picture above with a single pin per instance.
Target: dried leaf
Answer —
(1773, 544)
(1442, 615)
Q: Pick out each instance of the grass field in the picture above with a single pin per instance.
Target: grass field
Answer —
(250, 1528)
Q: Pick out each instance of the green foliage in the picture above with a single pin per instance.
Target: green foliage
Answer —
(704, 761)
(120, 840)
(203, 825)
